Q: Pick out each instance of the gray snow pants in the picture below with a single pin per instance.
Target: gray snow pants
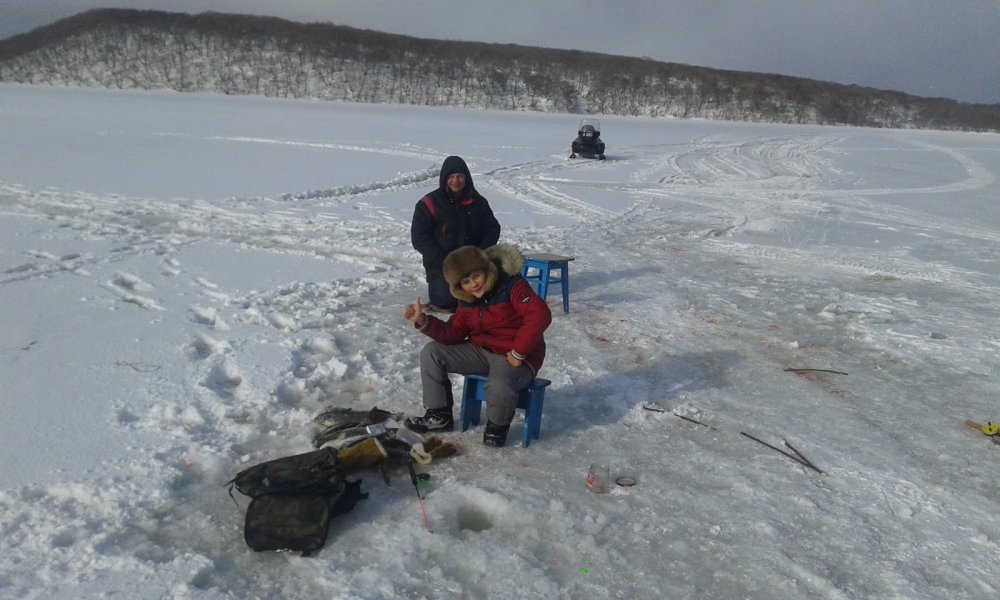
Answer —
(503, 382)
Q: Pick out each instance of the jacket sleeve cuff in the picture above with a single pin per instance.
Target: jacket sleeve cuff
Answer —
(517, 355)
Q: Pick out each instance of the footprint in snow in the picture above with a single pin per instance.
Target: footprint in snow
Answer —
(171, 267)
(142, 302)
(205, 283)
(224, 378)
(131, 282)
(129, 298)
(209, 317)
(205, 346)
(46, 261)
(212, 290)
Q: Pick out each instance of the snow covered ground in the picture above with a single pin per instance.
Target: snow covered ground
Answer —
(186, 280)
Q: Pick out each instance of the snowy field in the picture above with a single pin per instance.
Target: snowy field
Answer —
(186, 280)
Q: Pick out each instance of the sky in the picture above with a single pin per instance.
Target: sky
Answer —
(922, 47)
(187, 280)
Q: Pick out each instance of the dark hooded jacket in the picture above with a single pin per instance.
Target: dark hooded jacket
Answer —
(510, 317)
(442, 224)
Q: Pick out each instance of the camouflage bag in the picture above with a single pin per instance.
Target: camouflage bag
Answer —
(293, 500)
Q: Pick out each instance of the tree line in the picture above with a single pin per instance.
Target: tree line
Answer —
(242, 54)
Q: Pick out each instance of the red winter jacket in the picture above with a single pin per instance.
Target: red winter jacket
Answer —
(511, 317)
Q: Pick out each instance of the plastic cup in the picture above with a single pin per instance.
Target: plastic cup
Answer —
(597, 478)
(409, 437)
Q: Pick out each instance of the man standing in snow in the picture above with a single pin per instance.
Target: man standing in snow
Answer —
(452, 216)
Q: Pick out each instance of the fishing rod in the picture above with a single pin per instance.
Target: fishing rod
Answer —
(416, 486)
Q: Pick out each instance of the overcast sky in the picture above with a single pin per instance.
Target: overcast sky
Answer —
(939, 48)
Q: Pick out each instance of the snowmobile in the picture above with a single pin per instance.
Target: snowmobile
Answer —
(588, 141)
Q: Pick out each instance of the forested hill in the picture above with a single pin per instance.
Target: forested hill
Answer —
(240, 54)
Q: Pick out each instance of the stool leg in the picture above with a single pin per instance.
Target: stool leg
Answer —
(528, 418)
(543, 282)
(565, 287)
(532, 416)
(471, 405)
(537, 406)
(465, 413)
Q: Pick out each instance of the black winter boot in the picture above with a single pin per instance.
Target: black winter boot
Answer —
(495, 435)
(435, 420)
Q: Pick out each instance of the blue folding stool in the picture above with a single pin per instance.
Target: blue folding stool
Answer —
(544, 264)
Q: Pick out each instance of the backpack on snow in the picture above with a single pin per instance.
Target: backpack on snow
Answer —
(293, 500)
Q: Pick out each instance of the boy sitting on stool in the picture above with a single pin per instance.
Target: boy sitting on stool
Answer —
(496, 331)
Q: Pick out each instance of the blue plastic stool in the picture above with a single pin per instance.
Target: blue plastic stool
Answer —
(545, 264)
(530, 400)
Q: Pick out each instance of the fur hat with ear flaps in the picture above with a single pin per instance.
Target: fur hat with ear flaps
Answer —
(502, 259)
